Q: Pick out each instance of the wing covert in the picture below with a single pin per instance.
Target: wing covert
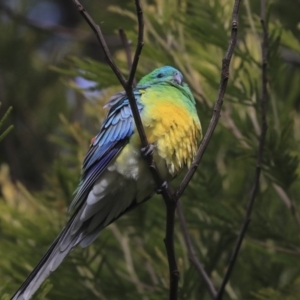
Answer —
(113, 136)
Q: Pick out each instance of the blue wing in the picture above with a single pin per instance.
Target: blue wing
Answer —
(113, 136)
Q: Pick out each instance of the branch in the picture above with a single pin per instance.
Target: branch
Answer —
(213, 123)
(127, 48)
(263, 108)
(140, 44)
(217, 109)
(192, 253)
(102, 42)
(127, 84)
(161, 184)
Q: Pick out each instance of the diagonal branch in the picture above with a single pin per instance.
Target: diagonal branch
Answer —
(259, 161)
(140, 44)
(127, 84)
(127, 47)
(213, 123)
(217, 109)
(97, 30)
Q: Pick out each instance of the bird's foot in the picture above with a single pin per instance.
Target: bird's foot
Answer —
(147, 151)
(162, 188)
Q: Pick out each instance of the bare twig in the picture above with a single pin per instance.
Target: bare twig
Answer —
(263, 107)
(192, 254)
(127, 48)
(217, 109)
(140, 44)
(127, 84)
(102, 42)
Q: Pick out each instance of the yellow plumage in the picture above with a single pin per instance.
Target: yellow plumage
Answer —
(171, 126)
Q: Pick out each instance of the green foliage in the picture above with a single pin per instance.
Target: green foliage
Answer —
(128, 261)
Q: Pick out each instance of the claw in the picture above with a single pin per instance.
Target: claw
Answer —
(163, 187)
(147, 151)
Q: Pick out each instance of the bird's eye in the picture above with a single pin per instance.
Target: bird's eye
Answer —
(160, 75)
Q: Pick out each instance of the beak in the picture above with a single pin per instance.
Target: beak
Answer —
(178, 78)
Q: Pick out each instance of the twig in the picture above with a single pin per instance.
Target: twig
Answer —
(140, 44)
(263, 107)
(102, 42)
(127, 47)
(192, 254)
(127, 85)
(217, 109)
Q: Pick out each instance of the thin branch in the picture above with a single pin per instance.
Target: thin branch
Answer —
(127, 47)
(192, 253)
(100, 37)
(161, 184)
(264, 126)
(140, 43)
(217, 109)
(213, 123)
(127, 85)
(129, 91)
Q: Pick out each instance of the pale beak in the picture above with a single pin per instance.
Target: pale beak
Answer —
(178, 78)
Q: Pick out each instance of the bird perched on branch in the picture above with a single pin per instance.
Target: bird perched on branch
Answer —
(115, 177)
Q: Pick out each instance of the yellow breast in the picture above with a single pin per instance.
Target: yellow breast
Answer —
(171, 127)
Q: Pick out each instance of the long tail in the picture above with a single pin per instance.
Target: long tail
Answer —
(59, 249)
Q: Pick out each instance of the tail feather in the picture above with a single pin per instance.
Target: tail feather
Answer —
(50, 261)
(83, 229)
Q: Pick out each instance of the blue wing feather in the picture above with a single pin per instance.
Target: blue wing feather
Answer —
(113, 136)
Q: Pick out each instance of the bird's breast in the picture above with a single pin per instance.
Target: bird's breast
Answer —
(172, 125)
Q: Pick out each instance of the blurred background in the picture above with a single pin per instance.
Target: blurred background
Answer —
(53, 75)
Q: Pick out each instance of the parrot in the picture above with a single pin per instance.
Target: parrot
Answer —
(115, 177)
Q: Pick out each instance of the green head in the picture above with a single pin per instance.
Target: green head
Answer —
(163, 74)
(167, 75)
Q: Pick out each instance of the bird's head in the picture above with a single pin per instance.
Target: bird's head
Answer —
(163, 74)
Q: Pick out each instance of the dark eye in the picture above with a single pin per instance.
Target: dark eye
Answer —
(160, 75)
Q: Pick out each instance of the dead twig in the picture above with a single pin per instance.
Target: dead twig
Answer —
(127, 47)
